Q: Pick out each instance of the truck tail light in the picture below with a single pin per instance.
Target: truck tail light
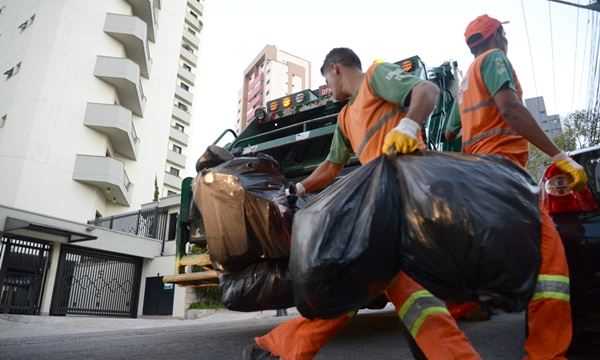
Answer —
(560, 199)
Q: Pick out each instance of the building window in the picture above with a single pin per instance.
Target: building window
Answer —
(191, 31)
(185, 86)
(2, 8)
(172, 222)
(176, 149)
(193, 14)
(182, 106)
(174, 171)
(188, 48)
(178, 127)
(187, 67)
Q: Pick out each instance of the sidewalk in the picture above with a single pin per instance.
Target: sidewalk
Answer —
(21, 326)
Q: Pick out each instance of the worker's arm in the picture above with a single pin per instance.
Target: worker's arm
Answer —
(419, 97)
(453, 126)
(521, 121)
(340, 152)
(322, 176)
(403, 138)
(497, 74)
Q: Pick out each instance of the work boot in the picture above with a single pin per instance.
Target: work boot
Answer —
(254, 352)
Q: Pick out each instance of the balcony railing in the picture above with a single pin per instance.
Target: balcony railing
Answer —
(150, 223)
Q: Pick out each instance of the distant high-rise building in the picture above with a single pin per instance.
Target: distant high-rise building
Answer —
(272, 74)
(95, 102)
(549, 123)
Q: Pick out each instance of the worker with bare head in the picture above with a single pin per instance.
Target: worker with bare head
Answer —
(385, 106)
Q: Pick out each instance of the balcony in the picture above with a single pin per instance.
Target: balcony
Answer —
(182, 115)
(179, 136)
(132, 33)
(173, 181)
(176, 158)
(115, 122)
(194, 22)
(196, 5)
(107, 174)
(144, 9)
(184, 95)
(124, 75)
(191, 38)
(187, 75)
(189, 56)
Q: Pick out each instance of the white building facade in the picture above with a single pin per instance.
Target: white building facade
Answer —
(95, 110)
(549, 123)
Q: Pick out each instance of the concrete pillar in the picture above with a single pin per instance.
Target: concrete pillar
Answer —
(179, 302)
(50, 279)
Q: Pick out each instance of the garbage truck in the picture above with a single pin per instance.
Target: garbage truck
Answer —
(296, 130)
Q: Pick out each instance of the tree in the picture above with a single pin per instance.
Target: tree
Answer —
(581, 129)
(155, 188)
(584, 127)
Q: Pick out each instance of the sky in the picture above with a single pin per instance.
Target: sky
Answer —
(235, 31)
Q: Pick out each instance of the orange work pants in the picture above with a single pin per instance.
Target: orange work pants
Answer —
(425, 317)
(549, 312)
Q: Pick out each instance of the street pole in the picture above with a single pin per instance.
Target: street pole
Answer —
(594, 6)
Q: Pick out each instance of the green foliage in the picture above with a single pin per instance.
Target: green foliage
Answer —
(584, 128)
(155, 189)
(209, 298)
(580, 130)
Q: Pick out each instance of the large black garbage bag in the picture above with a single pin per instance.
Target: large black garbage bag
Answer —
(213, 156)
(345, 246)
(472, 227)
(262, 286)
(464, 227)
(245, 211)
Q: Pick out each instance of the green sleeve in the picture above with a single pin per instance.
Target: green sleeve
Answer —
(497, 72)
(340, 150)
(453, 124)
(390, 83)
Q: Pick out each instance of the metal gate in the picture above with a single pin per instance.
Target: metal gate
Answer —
(93, 282)
(23, 265)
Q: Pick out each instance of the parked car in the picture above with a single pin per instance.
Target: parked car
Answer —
(577, 217)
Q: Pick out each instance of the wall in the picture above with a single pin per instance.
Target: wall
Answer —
(44, 130)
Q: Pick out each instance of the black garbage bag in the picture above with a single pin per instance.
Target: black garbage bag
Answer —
(472, 227)
(213, 156)
(245, 212)
(464, 227)
(345, 246)
(262, 286)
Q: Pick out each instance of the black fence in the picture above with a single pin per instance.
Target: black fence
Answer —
(150, 223)
(93, 282)
(23, 265)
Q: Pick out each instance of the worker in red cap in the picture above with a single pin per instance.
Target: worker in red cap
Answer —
(495, 122)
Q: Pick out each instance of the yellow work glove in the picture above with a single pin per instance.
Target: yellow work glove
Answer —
(569, 166)
(402, 139)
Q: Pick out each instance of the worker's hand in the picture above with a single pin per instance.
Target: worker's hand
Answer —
(402, 139)
(569, 166)
(295, 190)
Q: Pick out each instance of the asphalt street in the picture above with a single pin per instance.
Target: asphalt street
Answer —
(369, 336)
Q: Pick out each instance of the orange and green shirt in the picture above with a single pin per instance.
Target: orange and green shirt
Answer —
(486, 131)
(384, 92)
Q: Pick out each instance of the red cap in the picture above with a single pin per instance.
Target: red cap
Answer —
(484, 25)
